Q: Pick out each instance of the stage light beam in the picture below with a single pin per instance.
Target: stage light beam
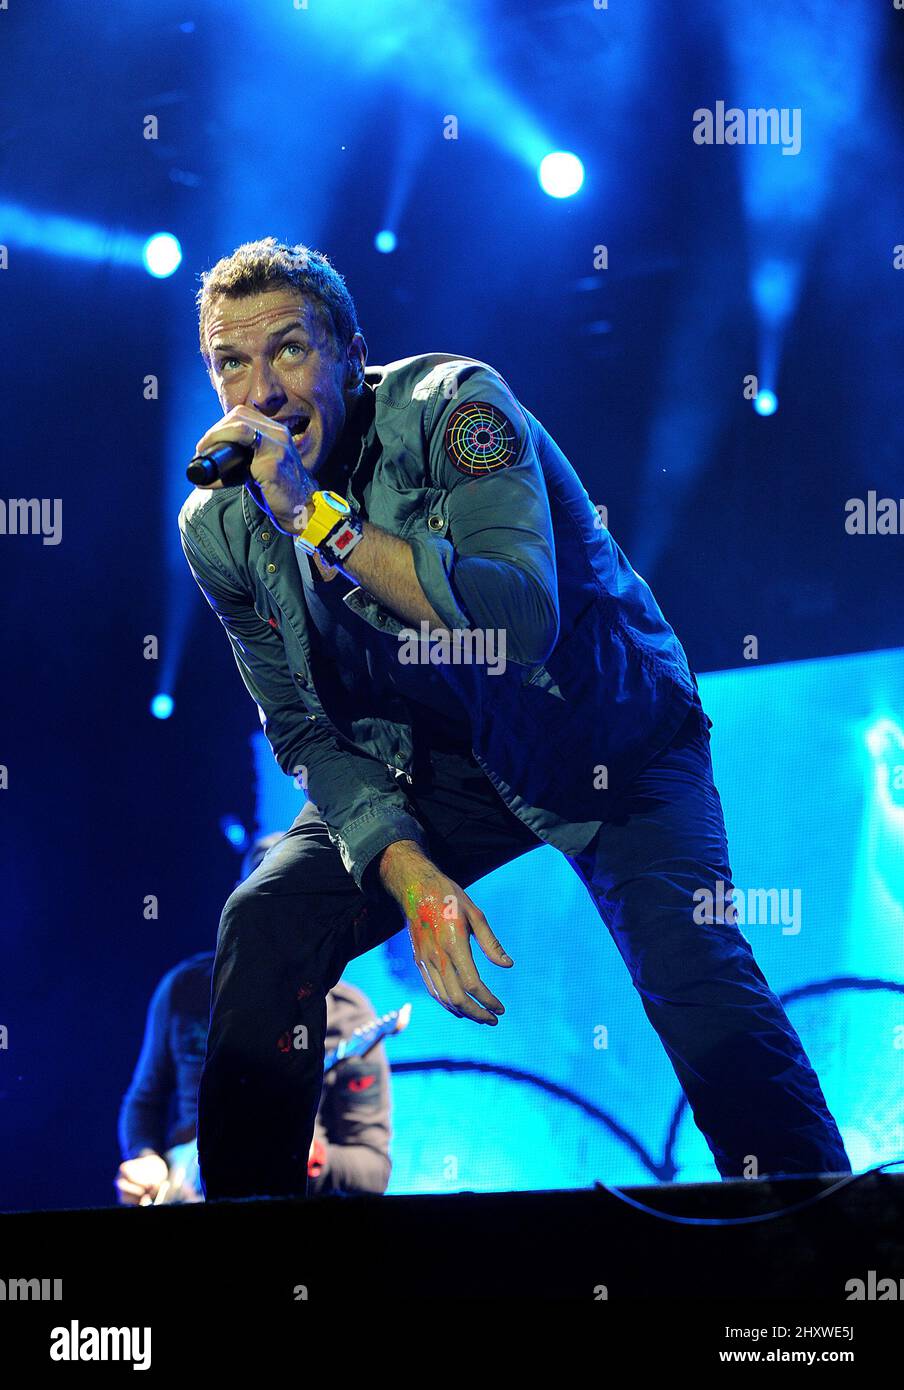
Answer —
(162, 706)
(561, 174)
(234, 831)
(162, 255)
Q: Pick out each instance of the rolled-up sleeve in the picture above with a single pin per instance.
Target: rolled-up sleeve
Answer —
(498, 568)
(359, 798)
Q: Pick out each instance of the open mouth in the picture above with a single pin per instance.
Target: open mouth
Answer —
(298, 425)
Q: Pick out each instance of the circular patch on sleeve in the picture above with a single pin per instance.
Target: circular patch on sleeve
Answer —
(479, 439)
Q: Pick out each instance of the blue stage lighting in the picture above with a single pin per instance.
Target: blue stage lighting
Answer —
(774, 288)
(561, 174)
(765, 403)
(162, 254)
(162, 706)
(234, 831)
(884, 736)
(885, 741)
(385, 241)
(56, 235)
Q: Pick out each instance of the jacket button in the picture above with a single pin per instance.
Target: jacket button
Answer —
(271, 569)
(435, 522)
(301, 679)
(265, 535)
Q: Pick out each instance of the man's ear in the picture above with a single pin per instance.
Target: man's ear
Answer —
(357, 358)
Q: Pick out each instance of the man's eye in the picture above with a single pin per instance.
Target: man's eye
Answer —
(300, 347)
(224, 362)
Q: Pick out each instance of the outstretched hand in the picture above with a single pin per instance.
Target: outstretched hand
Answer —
(441, 920)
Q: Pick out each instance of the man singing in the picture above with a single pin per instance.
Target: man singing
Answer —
(460, 664)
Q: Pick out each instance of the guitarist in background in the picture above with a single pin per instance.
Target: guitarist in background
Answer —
(350, 1148)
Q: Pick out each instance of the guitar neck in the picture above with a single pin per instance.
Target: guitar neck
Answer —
(362, 1040)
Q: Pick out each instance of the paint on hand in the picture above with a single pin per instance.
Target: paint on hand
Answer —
(425, 913)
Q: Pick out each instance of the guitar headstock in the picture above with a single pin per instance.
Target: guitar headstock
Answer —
(403, 1018)
(365, 1039)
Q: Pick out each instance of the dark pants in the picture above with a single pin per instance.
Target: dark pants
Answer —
(289, 930)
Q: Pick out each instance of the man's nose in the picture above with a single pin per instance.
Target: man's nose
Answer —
(264, 392)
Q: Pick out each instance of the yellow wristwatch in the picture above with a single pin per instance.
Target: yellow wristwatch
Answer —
(334, 528)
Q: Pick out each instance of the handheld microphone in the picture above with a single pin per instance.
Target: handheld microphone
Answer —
(228, 463)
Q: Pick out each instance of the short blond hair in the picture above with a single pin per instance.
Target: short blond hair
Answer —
(270, 264)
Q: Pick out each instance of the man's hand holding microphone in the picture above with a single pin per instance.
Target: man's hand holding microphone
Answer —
(276, 477)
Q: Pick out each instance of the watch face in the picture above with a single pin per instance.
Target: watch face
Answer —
(338, 503)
